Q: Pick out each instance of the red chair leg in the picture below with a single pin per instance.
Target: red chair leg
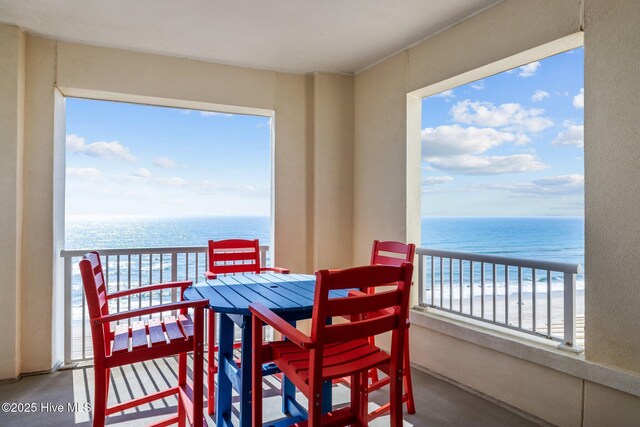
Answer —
(395, 398)
(198, 362)
(99, 398)
(256, 369)
(211, 365)
(408, 387)
(182, 380)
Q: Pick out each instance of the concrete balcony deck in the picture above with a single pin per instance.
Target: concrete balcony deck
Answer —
(438, 403)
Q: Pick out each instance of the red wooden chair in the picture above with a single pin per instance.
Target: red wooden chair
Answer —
(142, 341)
(339, 350)
(231, 256)
(392, 253)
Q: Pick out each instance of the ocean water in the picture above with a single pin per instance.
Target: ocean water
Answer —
(116, 232)
(557, 239)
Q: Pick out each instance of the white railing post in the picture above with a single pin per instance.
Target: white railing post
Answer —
(68, 309)
(569, 309)
(263, 255)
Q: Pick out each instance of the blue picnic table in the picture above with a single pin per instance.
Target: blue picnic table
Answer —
(290, 296)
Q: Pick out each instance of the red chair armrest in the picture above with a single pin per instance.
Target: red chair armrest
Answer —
(210, 276)
(261, 312)
(276, 269)
(149, 310)
(147, 288)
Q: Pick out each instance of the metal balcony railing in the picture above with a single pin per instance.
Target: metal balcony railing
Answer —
(124, 269)
(526, 295)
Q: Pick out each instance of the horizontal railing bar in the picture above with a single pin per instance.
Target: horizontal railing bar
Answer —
(64, 253)
(514, 262)
(499, 324)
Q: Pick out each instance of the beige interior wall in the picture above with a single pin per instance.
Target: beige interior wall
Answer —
(612, 179)
(380, 162)
(293, 206)
(38, 237)
(12, 63)
(333, 171)
(606, 407)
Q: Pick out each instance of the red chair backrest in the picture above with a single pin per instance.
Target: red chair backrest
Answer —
(395, 253)
(95, 290)
(357, 307)
(234, 256)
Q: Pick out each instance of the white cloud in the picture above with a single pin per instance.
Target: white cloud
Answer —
(529, 69)
(436, 180)
(539, 95)
(479, 85)
(445, 94)
(487, 165)
(571, 135)
(142, 173)
(578, 100)
(458, 150)
(102, 149)
(166, 163)
(561, 185)
(456, 140)
(510, 116)
(214, 113)
(89, 174)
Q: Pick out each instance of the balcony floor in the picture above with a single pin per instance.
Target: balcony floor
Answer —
(438, 402)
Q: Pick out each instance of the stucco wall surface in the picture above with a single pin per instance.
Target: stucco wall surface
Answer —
(333, 171)
(12, 51)
(612, 179)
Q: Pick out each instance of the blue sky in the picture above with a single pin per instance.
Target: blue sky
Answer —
(129, 159)
(507, 145)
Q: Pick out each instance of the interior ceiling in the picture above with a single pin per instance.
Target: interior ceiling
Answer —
(298, 36)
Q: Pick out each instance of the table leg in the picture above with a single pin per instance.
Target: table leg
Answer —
(225, 354)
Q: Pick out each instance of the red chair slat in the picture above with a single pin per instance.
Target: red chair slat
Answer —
(235, 256)
(186, 325)
(138, 335)
(156, 334)
(121, 338)
(172, 329)
(345, 306)
(236, 268)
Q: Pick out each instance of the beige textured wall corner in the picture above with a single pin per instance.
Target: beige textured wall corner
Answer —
(37, 248)
(380, 152)
(612, 180)
(293, 184)
(12, 64)
(607, 407)
(333, 171)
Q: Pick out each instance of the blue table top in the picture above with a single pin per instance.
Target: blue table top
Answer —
(279, 292)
